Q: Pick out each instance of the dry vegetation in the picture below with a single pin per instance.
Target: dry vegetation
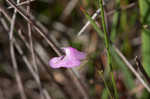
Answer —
(34, 31)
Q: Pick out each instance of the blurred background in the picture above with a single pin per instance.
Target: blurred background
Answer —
(41, 27)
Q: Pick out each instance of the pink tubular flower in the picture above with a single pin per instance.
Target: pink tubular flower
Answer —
(71, 58)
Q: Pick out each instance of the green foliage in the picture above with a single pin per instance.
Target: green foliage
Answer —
(128, 78)
(106, 85)
(146, 50)
(77, 45)
(145, 95)
(104, 94)
(115, 25)
(100, 33)
(115, 22)
(145, 20)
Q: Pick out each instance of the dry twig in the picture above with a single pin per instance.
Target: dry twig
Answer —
(35, 68)
(131, 68)
(22, 3)
(12, 53)
(108, 14)
(35, 76)
(49, 41)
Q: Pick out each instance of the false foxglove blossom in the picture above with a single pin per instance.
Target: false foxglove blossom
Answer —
(71, 58)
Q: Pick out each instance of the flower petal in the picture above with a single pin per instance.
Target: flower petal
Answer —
(74, 53)
(71, 59)
(58, 62)
(54, 62)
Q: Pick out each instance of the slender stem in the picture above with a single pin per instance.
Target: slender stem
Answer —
(107, 45)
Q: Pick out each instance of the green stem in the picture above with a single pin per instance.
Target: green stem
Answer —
(107, 44)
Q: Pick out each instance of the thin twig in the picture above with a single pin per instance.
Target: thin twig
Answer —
(12, 53)
(33, 55)
(3, 11)
(43, 62)
(46, 94)
(88, 22)
(108, 14)
(18, 78)
(22, 3)
(29, 20)
(131, 68)
(126, 61)
(31, 42)
(4, 23)
(23, 56)
(122, 8)
(79, 85)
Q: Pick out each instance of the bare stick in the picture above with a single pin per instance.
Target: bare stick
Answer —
(43, 62)
(22, 3)
(58, 51)
(31, 42)
(29, 20)
(21, 53)
(26, 61)
(78, 84)
(18, 78)
(98, 12)
(13, 58)
(131, 68)
(46, 94)
(2, 10)
(19, 48)
(4, 23)
(33, 55)
(44, 91)
(88, 22)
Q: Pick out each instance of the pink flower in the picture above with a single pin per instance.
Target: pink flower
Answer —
(71, 58)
